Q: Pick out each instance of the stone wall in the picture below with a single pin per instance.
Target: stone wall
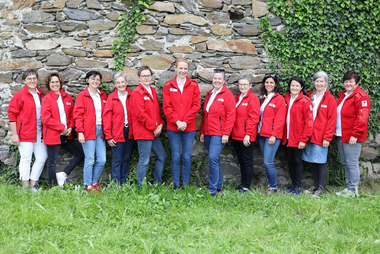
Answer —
(74, 36)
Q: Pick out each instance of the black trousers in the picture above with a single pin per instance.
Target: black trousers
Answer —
(295, 164)
(69, 145)
(244, 155)
(319, 174)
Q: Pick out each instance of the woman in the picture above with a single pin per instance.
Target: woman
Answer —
(24, 113)
(271, 126)
(181, 103)
(117, 128)
(88, 109)
(353, 107)
(298, 130)
(324, 116)
(58, 123)
(217, 122)
(245, 130)
(148, 123)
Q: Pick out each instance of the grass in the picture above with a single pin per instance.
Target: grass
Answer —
(157, 220)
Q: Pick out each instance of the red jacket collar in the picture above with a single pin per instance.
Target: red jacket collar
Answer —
(55, 96)
(173, 82)
(224, 88)
(247, 95)
(87, 92)
(115, 94)
(38, 89)
(299, 97)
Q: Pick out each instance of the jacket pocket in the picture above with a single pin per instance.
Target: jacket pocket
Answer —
(220, 124)
(245, 126)
(46, 132)
(19, 130)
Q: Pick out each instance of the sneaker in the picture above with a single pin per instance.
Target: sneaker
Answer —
(97, 186)
(34, 188)
(290, 189)
(61, 178)
(346, 193)
(296, 191)
(317, 193)
(270, 191)
(243, 190)
(339, 193)
(311, 190)
(92, 189)
(238, 187)
(219, 190)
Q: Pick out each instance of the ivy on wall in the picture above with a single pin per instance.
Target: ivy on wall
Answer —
(127, 30)
(334, 36)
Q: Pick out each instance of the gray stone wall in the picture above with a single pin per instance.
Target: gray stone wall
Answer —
(74, 36)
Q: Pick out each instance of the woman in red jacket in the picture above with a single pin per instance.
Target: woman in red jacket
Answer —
(217, 122)
(297, 130)
(58, 124)
(181, 103)
(353, 107)
(117, 128)
(271, 126)
(24, 113)
(245, 130)
(324, 116)
(88, 109)
(148, 124)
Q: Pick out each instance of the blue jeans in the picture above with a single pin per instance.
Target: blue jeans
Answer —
(121, 154)
(215, 175)
(145, 146)
(268, 154)
(175, 139)
(349, 156)
(91, 148)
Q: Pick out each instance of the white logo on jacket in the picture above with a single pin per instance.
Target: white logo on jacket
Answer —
(104, 101)
(68, 103)
(364, 104)
(323, 106)
(173, 90)
(221, 99)
(146, 98)
(244, 104)
(272, 105)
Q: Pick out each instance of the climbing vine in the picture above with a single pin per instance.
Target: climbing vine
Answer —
(127, 30)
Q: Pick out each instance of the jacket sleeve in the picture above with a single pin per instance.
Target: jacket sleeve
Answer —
(79, 113)
(14, 108)
(253, 116)
(195, 105)
(331, 120)
(108, 118)
(230, 114)
(363, 107)
(279, 119)
(308, 118)
(140, 114)
(171, 115)
(47, 117)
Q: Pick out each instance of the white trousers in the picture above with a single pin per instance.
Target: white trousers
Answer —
(26, 150)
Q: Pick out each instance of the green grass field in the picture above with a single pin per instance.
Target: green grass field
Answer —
(157, 220)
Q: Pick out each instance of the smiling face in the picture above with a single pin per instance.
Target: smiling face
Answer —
(270, 85)
(94, 82)
(182, 69)
(54, 84)
(295, 88)
(31, 82)
(320, 84)
(244, 86)
(145, 78)
(218, 80)
(350, 85)
(121, 84)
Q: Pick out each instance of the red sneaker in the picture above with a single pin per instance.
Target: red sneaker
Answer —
(93, 189)
(97, 186)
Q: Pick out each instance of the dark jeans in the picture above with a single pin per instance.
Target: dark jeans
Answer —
(245, 158)
(295, 164)
(69, 145)
(121, 153)
(319, 174)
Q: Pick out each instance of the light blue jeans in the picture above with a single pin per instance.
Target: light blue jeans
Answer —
(215, 175)
(268, 154)
(92, 148)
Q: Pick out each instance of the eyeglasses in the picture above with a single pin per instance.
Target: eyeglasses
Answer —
(145, 76)
(244, 85)
(270, 75)
(30, 79)
(97, 80)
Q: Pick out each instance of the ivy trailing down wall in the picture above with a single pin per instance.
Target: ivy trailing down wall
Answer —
(334, 36)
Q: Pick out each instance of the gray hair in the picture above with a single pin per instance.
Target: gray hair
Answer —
(220, 71)
(120, 74)
(246, 77)
(322, 74)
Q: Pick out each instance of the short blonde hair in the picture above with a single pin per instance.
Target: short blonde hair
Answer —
(183, 60)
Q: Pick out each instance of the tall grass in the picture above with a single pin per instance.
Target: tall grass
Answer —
(158, 220)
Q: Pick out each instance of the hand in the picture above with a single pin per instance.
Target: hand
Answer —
(15, 140)
(224, 139)
(81, 138)
(246, 141)
(301, 145)
(69, 130)
(157, 131)
(271, 140)
(352, 140)
(64, 132)
(112, 142)
(184, 126)
(202, 138)
(325, 143)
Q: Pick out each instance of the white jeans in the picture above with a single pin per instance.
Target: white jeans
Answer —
(40, 153)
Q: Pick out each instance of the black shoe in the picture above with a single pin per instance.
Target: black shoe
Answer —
(243, 190)
(239, 187)
(219, 190)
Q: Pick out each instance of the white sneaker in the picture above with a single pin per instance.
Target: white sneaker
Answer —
(61, 178)
(346, 193)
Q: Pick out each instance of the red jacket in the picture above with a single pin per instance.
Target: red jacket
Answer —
(22, 110)
(301, 120)
(146, 113)
(52, 126)
(220, 119)
(324, 123)
(273, 118)
(181, 106)
(247, 117)
(354, 115)
(113, 116)
(84, 113)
